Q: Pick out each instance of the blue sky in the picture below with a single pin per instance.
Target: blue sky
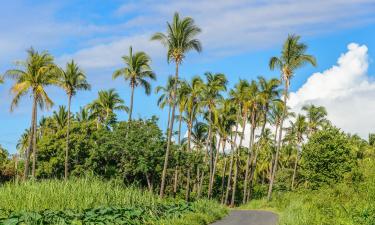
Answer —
(238, 39)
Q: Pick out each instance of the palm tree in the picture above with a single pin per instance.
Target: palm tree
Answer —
(179, 39)
(191, 94)
(254, 106)
(299, 129)
(166, 96)
(293, 56)
(316, 116)
(83, 115)
(71, 80)
(60, 118)
(240, 96)
(33, 75)
(107, 102)
(216, 83)
(137, 72)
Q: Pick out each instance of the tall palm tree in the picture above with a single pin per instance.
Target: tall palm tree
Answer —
(211, 96)
(107, 102)
(137, 72)
(254, 107)
(316, 116)
(299, 129)
(72, 79)
(32, 76)
(293, 56)
(166, 96)
(192, 94)
(179, 39)
(240, 96)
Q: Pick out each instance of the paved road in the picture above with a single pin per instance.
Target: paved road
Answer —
(249, 217)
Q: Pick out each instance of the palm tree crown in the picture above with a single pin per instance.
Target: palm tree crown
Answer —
(137, 71)
(34, 74)
(180, 38)
(292, 57)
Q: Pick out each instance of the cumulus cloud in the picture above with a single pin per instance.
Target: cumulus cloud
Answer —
(345, 89)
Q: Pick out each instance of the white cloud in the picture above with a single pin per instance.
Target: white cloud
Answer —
(230, 27)
(345, 90)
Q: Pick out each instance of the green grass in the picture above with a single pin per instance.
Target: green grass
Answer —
(90, 201)
(348, 203)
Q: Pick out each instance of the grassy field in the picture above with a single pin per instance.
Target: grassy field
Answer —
(91, 201)
(348, 203)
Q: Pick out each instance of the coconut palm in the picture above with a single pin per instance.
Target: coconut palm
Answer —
(293, 56)
(299, 129)
(83, 115)
(166, 96)
(72, 79)
(191, 93)
(179, 39)
(211, 96)
(137, 72)
(104, 106)
(240, 96)
(316, 116)
(60, 118)
(33, 76)
(254, 107)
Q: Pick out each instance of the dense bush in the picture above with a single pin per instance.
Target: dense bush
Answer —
(327, 156)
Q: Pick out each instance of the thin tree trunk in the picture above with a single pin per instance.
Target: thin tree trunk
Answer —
(214, 169)
(131, 102)
(28, 150)
(273, 155)
(190, 126)
(149, 182)
(179, 128)
(237, 161)
(209, 149)
(295, 168)
(249, 157)
(231, 165)
(35, 154)
(223, 175)
(165, 167)
(175, 182)
(274, 169)
(67, 141)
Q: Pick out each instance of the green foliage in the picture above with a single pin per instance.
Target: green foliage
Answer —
(327, 156)
(92, 201)
(345, 203)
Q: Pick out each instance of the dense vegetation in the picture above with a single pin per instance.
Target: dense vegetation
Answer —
(303, 157)
(91, 201)
(338, 186)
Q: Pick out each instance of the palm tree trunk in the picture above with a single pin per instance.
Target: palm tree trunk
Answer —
(223, 174)
(179, 128)
(273, 155)
(231, 165)
(187, 195)
(28, 150)
(131, 101)
(249, 157)
(237, 161)
(175, 181)
(165, 167)
(35, 154)
(274, 169)
(295, 167)
(214, 169)
(67, 140)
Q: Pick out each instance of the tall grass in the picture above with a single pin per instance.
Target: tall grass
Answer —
(73, 194)
(94, 200)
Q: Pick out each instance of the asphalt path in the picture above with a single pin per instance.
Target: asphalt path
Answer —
(249, 217)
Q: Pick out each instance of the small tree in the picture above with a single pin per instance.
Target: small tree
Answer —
(327, 157)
